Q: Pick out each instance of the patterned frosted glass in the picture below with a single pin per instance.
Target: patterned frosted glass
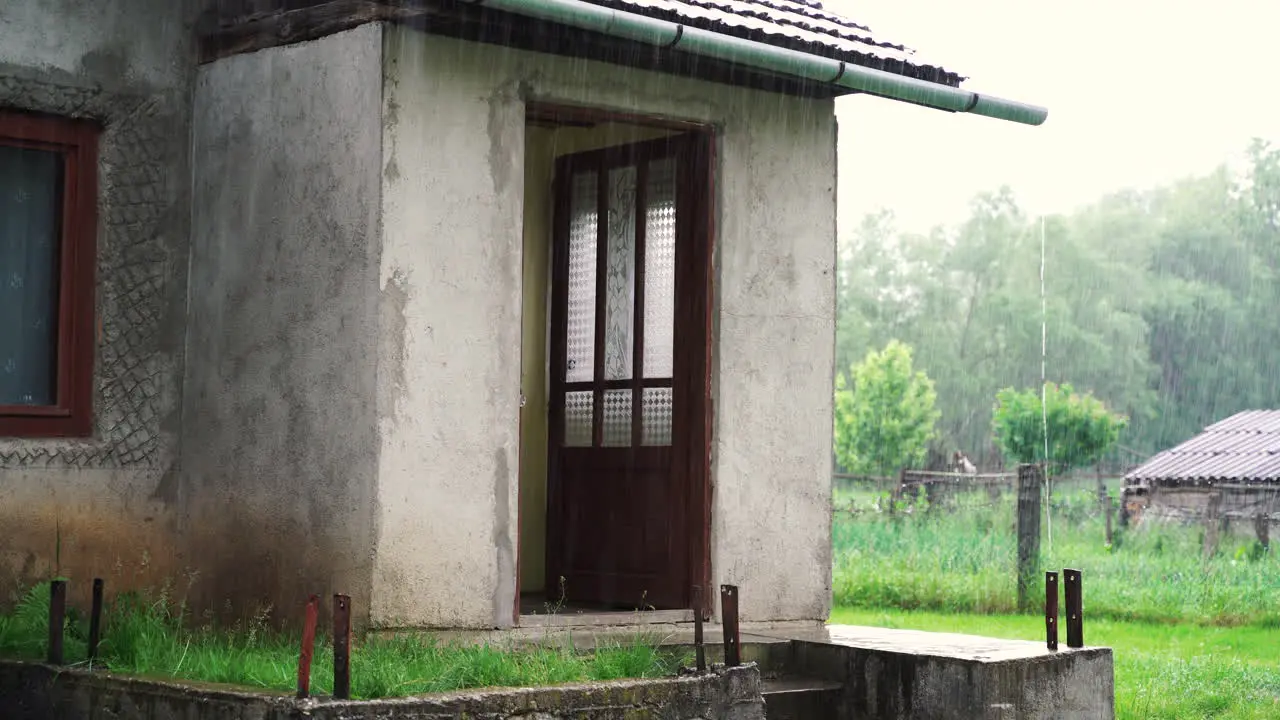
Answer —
(617, 417)
(580, 340)
(655, 416)
(30, 182)
(660, 270)
(577, 418)
(621, 267)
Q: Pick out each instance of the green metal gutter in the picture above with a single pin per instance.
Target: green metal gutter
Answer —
(758, 55)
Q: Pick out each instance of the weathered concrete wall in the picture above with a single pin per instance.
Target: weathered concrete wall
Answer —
(37, 692)
(448, 407)
(774, 357)
(127, 64)
(279, 433)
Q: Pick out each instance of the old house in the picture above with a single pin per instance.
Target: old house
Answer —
(442, 304)
(1227, 475)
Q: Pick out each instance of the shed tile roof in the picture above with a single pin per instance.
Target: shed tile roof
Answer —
(796, 24)
(1242, 448)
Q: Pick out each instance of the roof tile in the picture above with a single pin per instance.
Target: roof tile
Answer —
(800, 25)
(1242, 448)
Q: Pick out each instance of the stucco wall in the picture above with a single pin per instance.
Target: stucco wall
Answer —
(348, 413)
(450, 271)
(111, 498)
(280, 453)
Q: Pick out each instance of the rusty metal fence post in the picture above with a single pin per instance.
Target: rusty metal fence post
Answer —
(1075, 608)
(57, 618)
(342, 647)
(95, 619)
(308, 646)
(1051, 609)
(732, 638)
(699, 650)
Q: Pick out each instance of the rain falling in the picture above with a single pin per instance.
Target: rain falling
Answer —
(676, 359)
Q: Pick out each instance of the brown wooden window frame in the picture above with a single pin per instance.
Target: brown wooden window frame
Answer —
(77, 143)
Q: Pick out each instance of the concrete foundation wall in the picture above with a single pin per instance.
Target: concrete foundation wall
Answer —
(109, 501)
(280, 447)
(912, 675)
(450, 272)
(38, 692)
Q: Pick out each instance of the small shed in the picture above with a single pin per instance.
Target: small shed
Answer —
(1229, 472)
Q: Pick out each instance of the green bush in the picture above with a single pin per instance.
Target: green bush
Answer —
(884, 422)
(1080, 429)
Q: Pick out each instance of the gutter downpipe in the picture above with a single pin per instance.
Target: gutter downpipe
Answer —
(693, 40)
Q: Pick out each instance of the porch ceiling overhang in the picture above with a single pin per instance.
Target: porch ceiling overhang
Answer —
(787, 46)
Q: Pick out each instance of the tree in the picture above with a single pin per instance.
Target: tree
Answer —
(1159, 302)
(1080, 428)
(884, 422)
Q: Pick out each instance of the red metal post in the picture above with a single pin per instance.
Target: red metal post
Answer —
(1075, 608)
(57, 617)
(699, 650)
(95, 619)
(1051, 609)
(308, 646)
(342, 647)
(732, 638)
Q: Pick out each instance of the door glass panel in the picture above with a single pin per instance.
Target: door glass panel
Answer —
(578, 408)
(660, 269)
(621, 269)
(30, 182)
(655, 416)
(617, 418)
(580, 337)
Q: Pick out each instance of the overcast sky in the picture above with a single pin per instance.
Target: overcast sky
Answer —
(1139, 92)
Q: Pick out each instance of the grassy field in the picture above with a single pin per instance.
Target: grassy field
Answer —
(147, 637)
(964, 561)
(1193, 637)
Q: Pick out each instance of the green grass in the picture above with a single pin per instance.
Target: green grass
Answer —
(964, 561)
(1193, 637)
(1162, 671)
(149, 636)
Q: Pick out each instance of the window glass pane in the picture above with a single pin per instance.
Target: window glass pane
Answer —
(617, 418)
(578, 408)
(655, 416)
(660, 269)
(581, 332)
(620, 302)
(30, 194)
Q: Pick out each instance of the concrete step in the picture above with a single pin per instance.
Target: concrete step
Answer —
(796, 698)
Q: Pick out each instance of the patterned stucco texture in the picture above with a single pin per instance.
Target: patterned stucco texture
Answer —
(140, 275)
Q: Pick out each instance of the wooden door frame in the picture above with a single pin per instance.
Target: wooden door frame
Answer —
(695, 189)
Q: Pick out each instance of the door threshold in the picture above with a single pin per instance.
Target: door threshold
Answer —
(604, 618)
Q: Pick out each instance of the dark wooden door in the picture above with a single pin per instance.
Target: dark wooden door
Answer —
(627, 448)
